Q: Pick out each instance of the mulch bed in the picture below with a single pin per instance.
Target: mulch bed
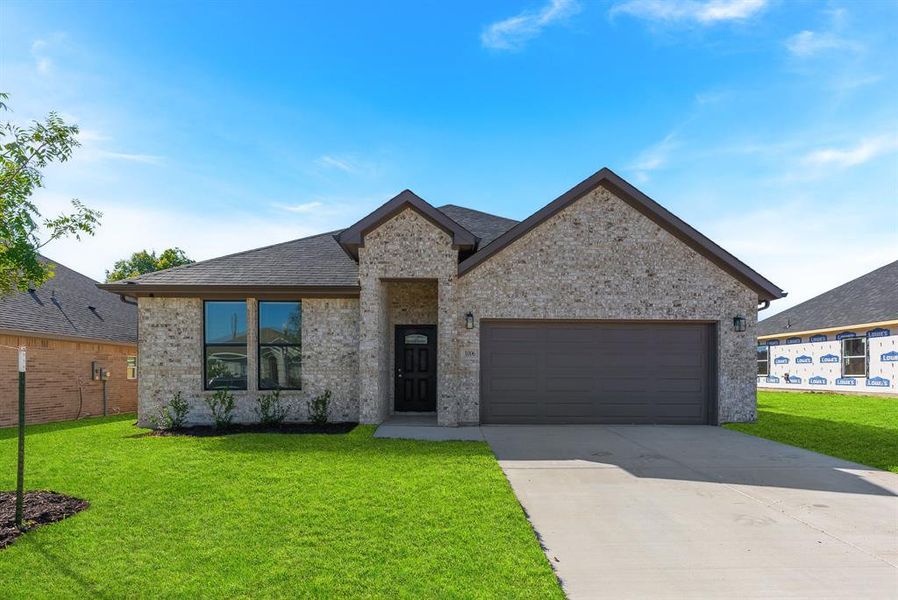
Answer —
(39, 508)
(207, 431)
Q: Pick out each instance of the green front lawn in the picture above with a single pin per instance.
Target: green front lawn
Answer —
(269, 515)
(862, 429)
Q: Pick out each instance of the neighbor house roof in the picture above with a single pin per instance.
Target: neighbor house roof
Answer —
(871, 298)
(69, 305)
(325, 264)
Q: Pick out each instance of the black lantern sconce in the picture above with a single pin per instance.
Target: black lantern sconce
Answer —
(469, 321)
(739, 324)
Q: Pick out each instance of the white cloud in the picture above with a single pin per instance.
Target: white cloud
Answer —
(654, 157)
(791, 243)
(514, 32)
(809, 43)
(304, 208)
(127, 227)
(705, 13)
(342, 164)
(864, 151)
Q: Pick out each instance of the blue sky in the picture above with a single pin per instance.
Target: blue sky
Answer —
(770, 126)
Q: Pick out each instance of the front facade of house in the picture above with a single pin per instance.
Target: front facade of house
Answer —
(844, 340)
(600, 307)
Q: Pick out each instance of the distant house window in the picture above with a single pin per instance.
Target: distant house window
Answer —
(131, 369)
(763, 360)
(280, 345)
(224, 345)
(854, 357)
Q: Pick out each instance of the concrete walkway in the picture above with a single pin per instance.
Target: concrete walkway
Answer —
(701, 512)
(424, 427)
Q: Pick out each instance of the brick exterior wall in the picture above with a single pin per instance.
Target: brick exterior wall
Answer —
(597, 259)
(58, 379)
(407, 246)
(171, 338)
(601, 259)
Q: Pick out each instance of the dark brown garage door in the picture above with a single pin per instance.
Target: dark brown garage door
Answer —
(588, 372)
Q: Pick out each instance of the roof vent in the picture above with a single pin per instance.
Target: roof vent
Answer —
(31, 290)
(91, 307)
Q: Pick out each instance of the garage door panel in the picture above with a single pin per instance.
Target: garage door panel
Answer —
(557, 372)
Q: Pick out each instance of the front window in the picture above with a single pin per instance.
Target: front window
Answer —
(131, 368)
(224, 343)
(280, 345)
(763, 360)
(854, 357)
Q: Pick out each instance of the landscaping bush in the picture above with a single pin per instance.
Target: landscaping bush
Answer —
(318, 408)
(270, 409)
(221, 403)
(171, 415)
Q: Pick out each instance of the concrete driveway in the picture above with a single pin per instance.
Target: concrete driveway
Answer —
(701, 512)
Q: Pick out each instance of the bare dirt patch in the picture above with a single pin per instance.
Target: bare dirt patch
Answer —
(39, 508)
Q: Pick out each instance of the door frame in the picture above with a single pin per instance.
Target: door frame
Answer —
(399, 333)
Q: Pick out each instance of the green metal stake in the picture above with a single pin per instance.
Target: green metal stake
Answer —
(20, 474)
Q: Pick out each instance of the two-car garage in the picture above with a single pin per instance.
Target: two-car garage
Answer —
(596, 372)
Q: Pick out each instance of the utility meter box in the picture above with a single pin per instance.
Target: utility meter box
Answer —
(98, 373)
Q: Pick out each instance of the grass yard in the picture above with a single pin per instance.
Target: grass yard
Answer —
(862, 429)
(269, 515)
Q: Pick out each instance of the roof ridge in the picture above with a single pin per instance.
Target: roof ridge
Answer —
(233, 254)
(482, 212)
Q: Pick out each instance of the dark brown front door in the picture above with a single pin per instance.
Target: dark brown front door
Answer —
(416, 368)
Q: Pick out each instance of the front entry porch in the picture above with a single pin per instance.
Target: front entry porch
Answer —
(425, 427)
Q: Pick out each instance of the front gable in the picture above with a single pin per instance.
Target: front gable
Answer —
(620, 189)
(353, 237)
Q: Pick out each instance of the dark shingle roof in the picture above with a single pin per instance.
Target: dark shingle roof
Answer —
(61, 307)
(484, 225)
(317, 261)
(870, 298)
(313, 261)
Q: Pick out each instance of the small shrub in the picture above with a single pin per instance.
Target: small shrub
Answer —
(270, 409)
(221, 403)
(171, 415)
(318, 408)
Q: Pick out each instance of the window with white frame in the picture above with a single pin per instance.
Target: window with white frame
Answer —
(763, 360)
(854, 357)
(131, 368)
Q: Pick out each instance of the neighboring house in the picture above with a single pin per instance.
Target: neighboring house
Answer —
(71, 330)
(600, 307)
(843, 340)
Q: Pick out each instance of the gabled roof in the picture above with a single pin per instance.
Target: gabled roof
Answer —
(353, 237)
(315, 264)
(62, 308)
(871, 298)
(648, 207)
(325, 264)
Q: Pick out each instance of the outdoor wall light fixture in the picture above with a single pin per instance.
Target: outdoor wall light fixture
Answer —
(739, 324)
(469, 321)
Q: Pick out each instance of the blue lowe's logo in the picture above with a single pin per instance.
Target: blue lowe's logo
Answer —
(804, 359)
(781, 360)
(846, 381)
(817, 380)
(793, 340)
(878, 332)
(829, 358)
(845, 335)
(878, 382)
(889, 356)
(817, 338)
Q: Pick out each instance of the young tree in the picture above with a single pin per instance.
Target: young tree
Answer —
(24, 151)
(147, 262)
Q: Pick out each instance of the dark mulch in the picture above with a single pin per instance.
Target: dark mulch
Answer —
(206, 430)
(39, 508)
